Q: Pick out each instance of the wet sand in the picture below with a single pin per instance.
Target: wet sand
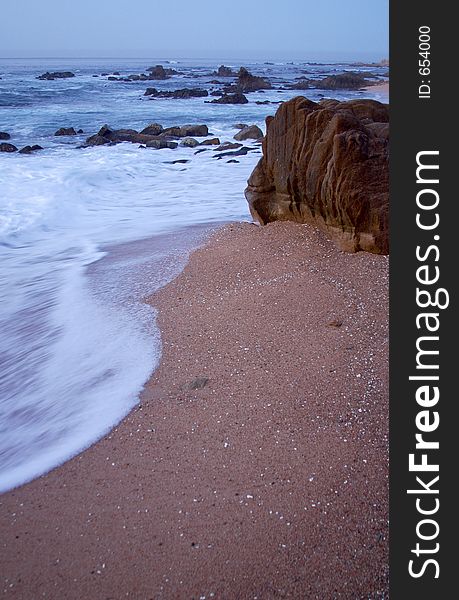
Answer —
(256, 465)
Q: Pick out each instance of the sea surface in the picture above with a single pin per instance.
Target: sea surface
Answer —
(86, 234)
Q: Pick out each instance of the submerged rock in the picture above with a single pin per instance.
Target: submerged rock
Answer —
(327, 164)
(229, 146)
(303, 84)
(240, 152)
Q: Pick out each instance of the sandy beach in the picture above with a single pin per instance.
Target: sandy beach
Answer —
(256, 465)
(382, 89)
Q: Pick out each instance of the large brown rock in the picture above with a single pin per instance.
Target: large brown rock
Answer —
(327, 164)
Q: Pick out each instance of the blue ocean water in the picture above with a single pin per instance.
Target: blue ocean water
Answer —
(87, 234)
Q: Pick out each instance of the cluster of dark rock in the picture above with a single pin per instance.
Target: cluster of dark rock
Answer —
(63, 131)
(229, 94)
(152, 136)
(223, 71)
(157, 137)
(181, 94)
(237, 98)
(156, 73)
(7, 147)
(342, 81)
(246, 82)
(55, 75)
(232, 93)
(159, 72)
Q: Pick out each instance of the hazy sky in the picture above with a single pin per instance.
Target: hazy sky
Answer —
(296, 29)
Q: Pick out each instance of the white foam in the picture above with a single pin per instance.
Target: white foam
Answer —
(77, 342)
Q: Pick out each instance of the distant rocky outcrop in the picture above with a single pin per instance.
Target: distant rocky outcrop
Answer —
(55, 75)
(159, 72)
(4, 135)
(302, 84)
(327, 164)
(246, 82)
(343, 81)
(181, 94)
(236, 98)
(66, 131)
(223, 71)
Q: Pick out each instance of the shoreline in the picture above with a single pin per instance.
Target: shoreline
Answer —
(382, 90)
(256, 463)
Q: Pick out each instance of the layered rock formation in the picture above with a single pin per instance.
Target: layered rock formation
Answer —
(327, 164)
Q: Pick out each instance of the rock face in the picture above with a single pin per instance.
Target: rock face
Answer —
(327, 164)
